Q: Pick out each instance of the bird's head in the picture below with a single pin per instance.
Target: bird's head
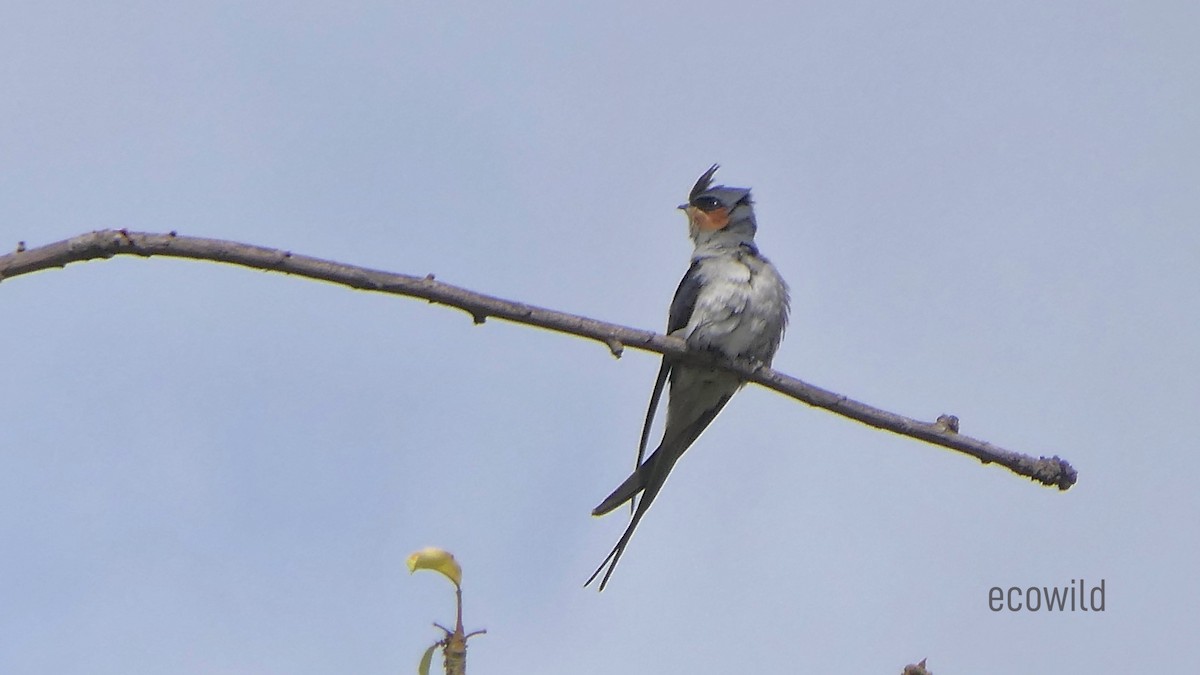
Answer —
(718, 215)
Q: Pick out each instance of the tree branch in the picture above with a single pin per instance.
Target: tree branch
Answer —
(1050, 471)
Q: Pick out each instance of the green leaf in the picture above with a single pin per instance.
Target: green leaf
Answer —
(426, 659)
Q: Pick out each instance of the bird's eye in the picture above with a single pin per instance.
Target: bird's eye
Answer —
(706, 203)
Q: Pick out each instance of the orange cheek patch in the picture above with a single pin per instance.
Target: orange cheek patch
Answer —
(710, 221)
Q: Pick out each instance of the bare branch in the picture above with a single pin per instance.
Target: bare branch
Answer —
(1050, 471)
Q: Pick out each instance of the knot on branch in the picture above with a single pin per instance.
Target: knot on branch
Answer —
(615, 346)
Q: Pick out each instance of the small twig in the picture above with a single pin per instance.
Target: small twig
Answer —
(1051, 471)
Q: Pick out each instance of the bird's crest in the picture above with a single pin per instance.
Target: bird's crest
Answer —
(704, 182)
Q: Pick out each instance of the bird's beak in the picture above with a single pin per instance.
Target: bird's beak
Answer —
(683, 207)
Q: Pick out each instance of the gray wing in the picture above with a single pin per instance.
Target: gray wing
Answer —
(679, 316)
(685, 298)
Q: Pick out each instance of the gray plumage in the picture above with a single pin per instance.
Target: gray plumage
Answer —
(731, 301)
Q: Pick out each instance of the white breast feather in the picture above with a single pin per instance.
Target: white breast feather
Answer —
(737, 311)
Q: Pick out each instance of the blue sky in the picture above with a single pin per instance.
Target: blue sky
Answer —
(986, 209)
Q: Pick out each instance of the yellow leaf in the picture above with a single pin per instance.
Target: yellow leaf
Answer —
(438, 560)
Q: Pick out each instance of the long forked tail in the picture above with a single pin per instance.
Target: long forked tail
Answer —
(614, 556)
(648, 479)
(648, 473)
(627, 490)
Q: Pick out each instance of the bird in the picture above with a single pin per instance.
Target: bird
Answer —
(731, 302)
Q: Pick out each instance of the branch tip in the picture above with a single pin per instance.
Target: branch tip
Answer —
(1055, 471)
